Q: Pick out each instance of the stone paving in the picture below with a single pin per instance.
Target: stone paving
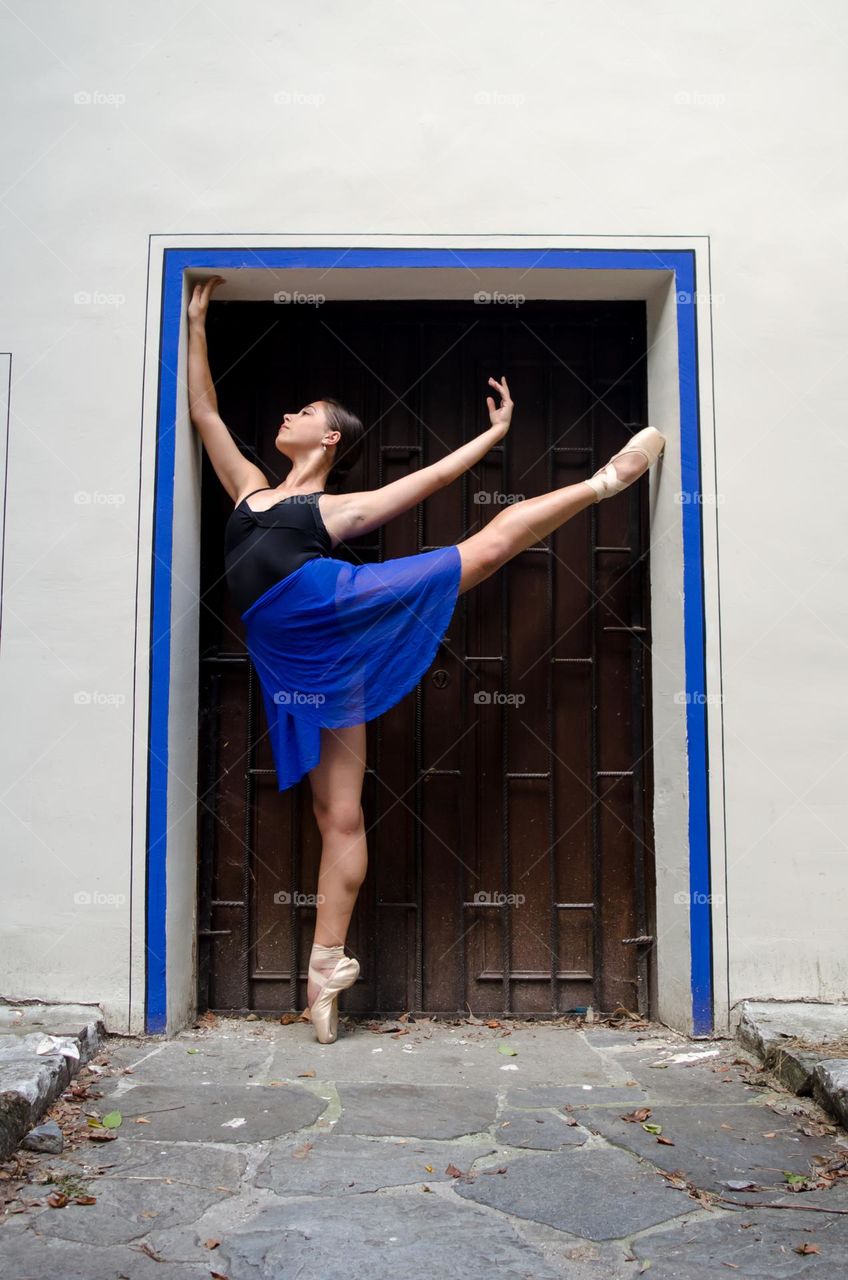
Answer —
(246, 1150)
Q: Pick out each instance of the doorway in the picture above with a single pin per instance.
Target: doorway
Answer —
(508, 798)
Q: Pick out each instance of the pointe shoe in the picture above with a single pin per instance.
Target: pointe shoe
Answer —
(606, 481)
(324, 1011)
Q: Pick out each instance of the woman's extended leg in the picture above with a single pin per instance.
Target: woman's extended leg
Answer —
(523, 524)
(337, 803)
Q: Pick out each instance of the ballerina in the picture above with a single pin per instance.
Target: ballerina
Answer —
(335, 644)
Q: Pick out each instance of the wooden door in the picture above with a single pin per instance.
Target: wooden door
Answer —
(506, 799)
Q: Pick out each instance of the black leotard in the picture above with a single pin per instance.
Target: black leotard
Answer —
(262, 547)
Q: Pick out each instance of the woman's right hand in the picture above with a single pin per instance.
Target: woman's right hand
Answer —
(199, 304)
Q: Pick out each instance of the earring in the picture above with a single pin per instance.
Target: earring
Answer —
(324, 447)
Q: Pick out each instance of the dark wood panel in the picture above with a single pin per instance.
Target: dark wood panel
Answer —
(541, 675)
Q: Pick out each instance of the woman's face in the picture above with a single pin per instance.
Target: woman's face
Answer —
(304, 430)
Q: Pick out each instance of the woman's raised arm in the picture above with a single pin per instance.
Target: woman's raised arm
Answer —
(371, 508)
(237, 474)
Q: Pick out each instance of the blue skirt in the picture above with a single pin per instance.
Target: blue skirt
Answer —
(334, 644)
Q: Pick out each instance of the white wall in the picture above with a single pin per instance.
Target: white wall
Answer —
(565, 120)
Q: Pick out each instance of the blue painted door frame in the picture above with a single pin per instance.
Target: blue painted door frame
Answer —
(682, 265)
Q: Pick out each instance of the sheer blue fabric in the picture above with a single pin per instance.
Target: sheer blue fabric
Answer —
(335, 644)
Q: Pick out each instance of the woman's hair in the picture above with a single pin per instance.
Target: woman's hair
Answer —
(349, 447)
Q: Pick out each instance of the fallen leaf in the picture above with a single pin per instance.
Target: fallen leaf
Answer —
(806, 1247)
(306, 1073)
(652, 1128)
(507, 1049)
(211, 1244)
(57, 1200)
(637, 1116)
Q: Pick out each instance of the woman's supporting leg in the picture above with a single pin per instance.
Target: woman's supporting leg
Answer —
(336, 783)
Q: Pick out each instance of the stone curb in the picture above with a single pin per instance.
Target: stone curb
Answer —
(30, 1081)
(765, 1030)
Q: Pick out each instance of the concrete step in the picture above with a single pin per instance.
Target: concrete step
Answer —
(42, 1047)
(805, 1045)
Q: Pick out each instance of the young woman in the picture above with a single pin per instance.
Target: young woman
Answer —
(335, 644)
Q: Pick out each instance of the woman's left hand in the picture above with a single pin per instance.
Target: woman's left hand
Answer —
(502, 415)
